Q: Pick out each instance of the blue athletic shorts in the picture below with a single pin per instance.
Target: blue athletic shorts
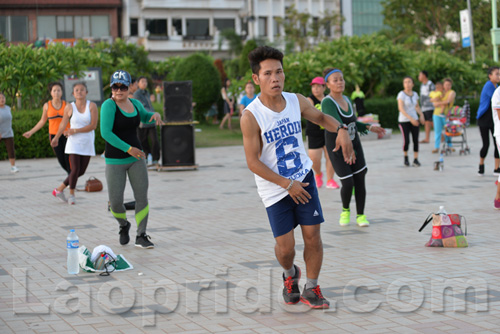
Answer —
(285, 215)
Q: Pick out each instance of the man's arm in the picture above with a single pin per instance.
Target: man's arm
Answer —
(252, 145)
(330, 124)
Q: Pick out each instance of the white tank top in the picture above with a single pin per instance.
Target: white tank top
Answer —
(81, 143)
(283, 148)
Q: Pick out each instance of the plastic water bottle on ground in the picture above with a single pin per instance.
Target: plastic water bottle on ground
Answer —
(441, 211)
(150, 159)
(441, 162)
(72, 244)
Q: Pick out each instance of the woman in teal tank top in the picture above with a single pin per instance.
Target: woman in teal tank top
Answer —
(339, 106)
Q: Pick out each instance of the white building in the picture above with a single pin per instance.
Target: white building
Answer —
(175, 27)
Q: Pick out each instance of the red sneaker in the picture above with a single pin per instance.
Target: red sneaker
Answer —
(319, 180)
(331, 184)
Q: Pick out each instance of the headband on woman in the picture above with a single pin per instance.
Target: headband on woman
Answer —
(331, 72)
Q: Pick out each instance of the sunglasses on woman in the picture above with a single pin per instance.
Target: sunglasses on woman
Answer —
(122, 88)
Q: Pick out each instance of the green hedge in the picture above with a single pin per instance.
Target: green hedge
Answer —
(387, 110)
(38, 146)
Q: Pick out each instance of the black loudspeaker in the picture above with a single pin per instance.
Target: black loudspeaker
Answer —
(177, 145)
(178, 101)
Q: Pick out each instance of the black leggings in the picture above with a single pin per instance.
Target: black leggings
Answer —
(9, 145)
(406, 129)
(79, 164)
(146, 134)
(485, 136)
(356, 181)
(62, 157)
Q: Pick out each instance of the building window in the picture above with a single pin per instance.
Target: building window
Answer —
(64, 27)
(134, 27)
(244, 26)
(262, 26)
(276, 28)
(223, 24)
(328, 29)
(157, 28)
(100, 25)
(177, 25)
(80, 26)
(14, 28)
(197, 29)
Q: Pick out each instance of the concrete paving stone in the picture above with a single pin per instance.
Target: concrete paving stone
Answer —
(195, 239)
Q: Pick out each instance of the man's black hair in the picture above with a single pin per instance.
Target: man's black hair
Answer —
(491, 69)
(258, 55)
(425, 73)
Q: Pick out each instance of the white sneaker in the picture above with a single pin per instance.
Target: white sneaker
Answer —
(14, 169)
(59, 195)
(71, 199)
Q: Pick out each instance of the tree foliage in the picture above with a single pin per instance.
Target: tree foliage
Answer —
(28, 71)
(378, 66)
(206, 80)
(233, 39)
(301, 30)
(244, 63)
(417, 20)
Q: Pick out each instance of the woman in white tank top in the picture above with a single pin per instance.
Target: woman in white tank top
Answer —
(82, 116)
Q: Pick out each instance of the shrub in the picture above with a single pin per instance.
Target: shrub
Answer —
(199, 68)
(387, 109)
(38, 145)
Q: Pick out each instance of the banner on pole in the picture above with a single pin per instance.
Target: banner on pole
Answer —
(465, 28)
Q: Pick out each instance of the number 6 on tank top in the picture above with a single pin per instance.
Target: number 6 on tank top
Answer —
(284, 159)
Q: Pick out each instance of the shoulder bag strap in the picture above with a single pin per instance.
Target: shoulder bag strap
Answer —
(465, 224)
(427, 221)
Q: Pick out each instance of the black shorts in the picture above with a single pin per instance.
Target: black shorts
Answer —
(342, 169)
(315, 142)
(428, 115)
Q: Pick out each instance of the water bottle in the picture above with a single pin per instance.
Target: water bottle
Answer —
(441, 162)
(72, 245)
(150, 159)
(441, 211)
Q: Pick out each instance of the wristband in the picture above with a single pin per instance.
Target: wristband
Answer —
(129, 149)
(290, 185)
(341, 126)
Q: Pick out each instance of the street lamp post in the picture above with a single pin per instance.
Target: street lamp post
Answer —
(472, 49)
(495, 33)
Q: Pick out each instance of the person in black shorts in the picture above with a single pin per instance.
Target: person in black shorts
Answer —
(316, 138)
(425, 103)
(351, 175)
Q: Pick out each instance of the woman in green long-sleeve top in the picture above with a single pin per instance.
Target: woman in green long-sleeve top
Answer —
(120, 118)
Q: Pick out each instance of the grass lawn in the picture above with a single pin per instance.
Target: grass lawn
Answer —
(209, 135)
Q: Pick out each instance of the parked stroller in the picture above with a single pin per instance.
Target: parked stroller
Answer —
(457, 121)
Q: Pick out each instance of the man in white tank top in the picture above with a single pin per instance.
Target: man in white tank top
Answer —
(275, 153)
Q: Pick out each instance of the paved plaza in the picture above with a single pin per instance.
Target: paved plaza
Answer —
(213, 269)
